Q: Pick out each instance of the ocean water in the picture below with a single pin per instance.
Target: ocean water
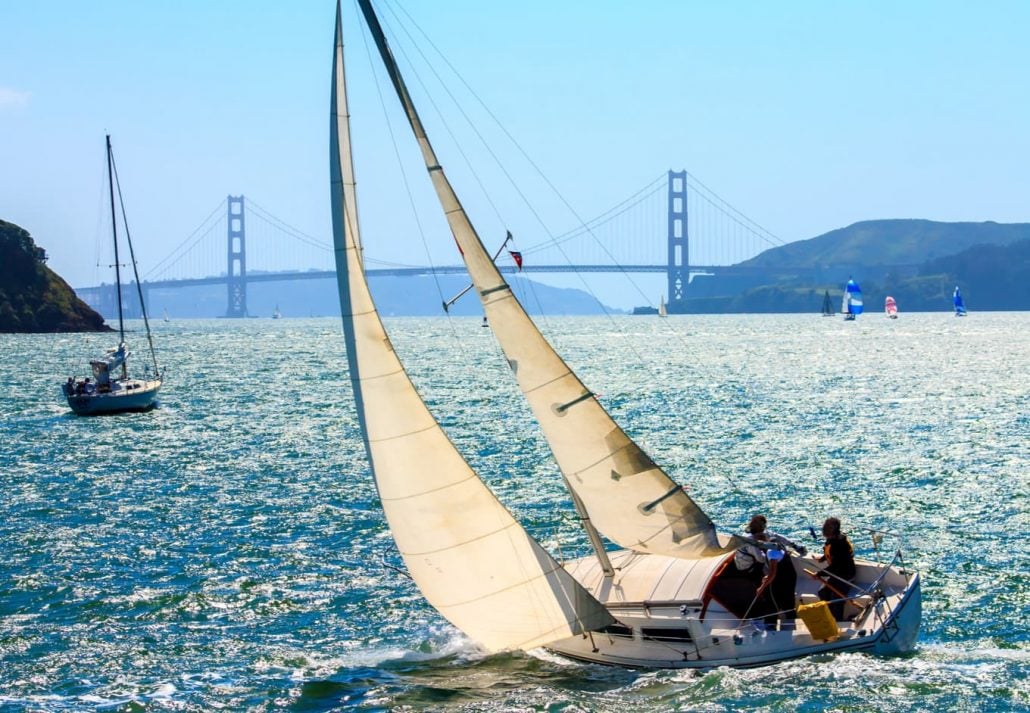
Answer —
(226, 551)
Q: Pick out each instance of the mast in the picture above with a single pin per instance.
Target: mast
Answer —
(135, 272)
(446, 193)
(630, 499)
(468, 555)
(114, 235)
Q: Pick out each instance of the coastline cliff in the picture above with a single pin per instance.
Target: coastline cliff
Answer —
(34, 298)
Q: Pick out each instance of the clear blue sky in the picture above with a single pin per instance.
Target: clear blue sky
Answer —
(807, 116)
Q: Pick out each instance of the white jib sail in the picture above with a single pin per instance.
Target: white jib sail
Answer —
(631, 500)
(470, 558)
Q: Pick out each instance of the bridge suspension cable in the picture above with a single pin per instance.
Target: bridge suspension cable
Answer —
(191, 241)
(267, 217)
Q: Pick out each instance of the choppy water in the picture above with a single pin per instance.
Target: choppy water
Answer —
(226, 551)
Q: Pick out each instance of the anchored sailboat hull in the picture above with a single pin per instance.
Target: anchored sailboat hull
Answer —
(127, 395)
(690, 629)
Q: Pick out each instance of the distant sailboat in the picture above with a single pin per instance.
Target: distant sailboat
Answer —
(852, 302)
(827, 305)
(662, 310)
(960, 305)
(276, 314)
(890, 307)
(111, 390)
(663, 598)
(166, 316)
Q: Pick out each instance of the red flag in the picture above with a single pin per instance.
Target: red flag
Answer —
(517, 257)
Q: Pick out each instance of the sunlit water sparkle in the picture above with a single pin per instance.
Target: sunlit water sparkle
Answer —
(226, 550)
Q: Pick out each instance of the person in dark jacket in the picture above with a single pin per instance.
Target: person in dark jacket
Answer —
(781, 590)
(839, 556)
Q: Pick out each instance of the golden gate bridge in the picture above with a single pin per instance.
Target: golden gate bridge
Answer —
(674, 225)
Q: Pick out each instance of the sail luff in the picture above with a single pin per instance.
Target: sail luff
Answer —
(470, 558)
(631, 500)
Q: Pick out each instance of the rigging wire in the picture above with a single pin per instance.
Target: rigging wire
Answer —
(525, 199)
(729, 212)
(97, 242)
(456, 143)
(501, 165)
(135, 269)
(539, 172)
(404, 175)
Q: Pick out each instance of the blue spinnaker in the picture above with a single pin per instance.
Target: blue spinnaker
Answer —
(853, 298)
(960, 305)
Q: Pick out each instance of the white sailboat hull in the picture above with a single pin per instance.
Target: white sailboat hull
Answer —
(125, 395)
(682, 632)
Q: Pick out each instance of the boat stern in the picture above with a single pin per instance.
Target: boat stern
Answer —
(901, 629)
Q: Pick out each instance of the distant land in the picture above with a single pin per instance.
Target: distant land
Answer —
(395, 296)
(33, 298)
(918, 262)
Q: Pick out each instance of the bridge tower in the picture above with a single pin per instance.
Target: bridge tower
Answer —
(236, 275)
(679, 242)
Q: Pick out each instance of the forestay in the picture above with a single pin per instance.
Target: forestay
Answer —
(628, 497)
(470, 558)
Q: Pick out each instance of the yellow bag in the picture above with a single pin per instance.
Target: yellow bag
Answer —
(819, 620)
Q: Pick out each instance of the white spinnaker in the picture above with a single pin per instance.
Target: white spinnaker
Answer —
(631, 500)
(470, 558)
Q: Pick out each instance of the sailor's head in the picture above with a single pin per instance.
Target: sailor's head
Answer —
(831, 528)
(757, 526)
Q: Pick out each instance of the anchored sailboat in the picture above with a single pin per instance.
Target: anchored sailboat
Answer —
(851, 305)
(111, 390)
(657, 601)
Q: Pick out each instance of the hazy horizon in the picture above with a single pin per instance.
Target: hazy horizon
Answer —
(807, 118)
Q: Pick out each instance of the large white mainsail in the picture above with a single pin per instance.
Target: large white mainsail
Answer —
(629, 498)
(470, 558)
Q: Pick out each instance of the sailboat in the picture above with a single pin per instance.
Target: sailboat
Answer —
(166, 318)
(658, 598)
(276, 314)
(827, 305)
(852, 301)
(960, 305)
(890, 306)
(662, 310)
(111, 389)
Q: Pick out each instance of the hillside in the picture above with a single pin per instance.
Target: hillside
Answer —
(918, 262)
(395, 296)
(992, 277)
(889, 242)
(33, 298)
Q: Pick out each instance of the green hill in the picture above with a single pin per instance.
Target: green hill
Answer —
(992, 277)
(33, 298)
(889, 242)
(918, 262)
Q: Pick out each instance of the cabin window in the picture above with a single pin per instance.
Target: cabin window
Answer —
(617, 630)
(667, 634)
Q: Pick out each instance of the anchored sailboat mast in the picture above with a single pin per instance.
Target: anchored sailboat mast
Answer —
(114, 235)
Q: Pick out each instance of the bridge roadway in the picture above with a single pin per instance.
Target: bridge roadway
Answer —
(253, 277)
